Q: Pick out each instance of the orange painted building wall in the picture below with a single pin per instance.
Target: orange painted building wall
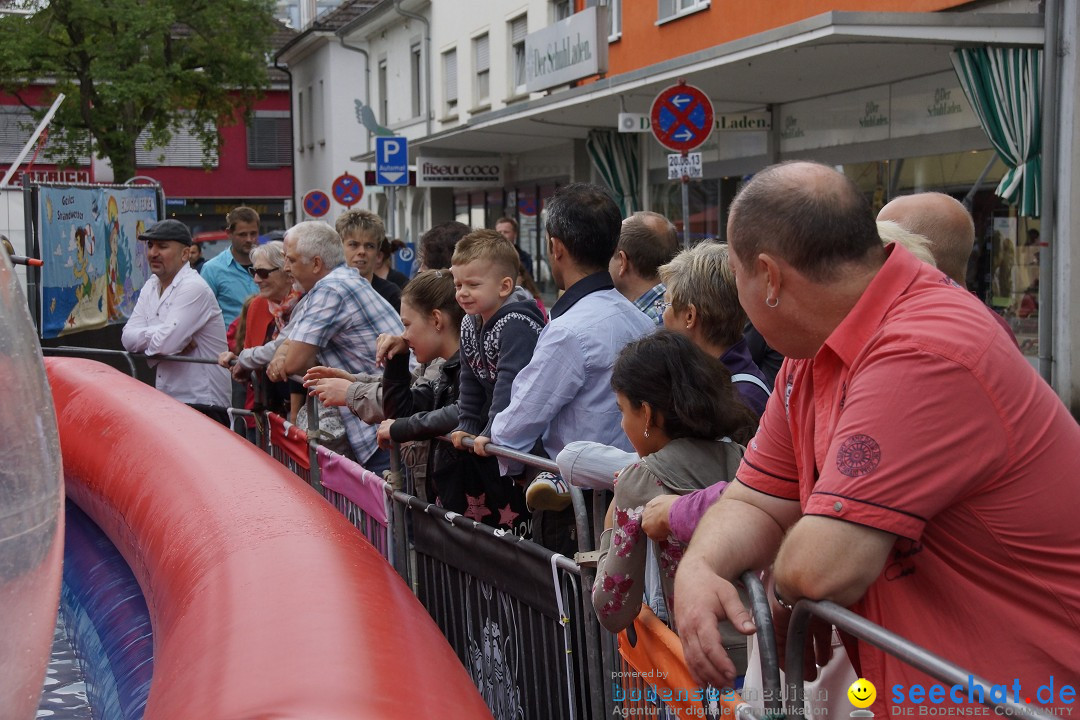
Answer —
(644, 43)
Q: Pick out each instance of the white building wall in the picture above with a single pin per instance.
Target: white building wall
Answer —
(326, 83)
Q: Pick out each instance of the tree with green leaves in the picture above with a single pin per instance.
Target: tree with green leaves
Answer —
(129, 66)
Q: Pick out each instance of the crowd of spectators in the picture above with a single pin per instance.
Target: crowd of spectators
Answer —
(904, 459)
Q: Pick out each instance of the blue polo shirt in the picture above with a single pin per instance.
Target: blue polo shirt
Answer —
(231, 283)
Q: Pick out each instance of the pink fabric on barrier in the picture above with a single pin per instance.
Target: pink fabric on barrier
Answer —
(363, 487)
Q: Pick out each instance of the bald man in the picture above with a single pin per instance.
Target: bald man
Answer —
(647, 240)
(947, 224)
(888, 474)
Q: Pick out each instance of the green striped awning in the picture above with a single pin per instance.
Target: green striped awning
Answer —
(1004, 86)
(615, 156)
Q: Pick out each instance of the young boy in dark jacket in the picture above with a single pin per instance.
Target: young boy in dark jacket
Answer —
(498, 334)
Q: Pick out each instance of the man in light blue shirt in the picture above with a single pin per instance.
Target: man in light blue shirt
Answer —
(564, 393)
(229, 274)
(647, 241)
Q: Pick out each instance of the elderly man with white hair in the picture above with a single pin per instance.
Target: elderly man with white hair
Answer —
(337, 325)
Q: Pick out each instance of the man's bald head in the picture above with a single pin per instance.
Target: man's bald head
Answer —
(810, 215)
(942, 220)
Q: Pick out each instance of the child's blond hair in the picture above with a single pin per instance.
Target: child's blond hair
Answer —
(490, 247)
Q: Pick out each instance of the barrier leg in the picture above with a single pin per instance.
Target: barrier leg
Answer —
(766, 642)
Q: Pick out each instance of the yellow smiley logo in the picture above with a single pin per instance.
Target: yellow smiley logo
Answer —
(862, 693)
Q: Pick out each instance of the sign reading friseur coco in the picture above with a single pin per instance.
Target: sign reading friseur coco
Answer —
(459, 171)
(568, 50)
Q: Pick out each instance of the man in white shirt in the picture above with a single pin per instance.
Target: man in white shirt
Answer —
(177, 314)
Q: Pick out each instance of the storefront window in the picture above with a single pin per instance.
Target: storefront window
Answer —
(705, 207)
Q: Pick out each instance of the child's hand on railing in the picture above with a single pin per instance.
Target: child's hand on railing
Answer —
(320, 372)
(480, 445)
(458, 436)
(382, 436)
(226, 359)
(330, 391)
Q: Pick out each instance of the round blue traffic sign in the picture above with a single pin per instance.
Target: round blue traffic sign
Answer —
(316, 203)
(682, 117)
(347, 190)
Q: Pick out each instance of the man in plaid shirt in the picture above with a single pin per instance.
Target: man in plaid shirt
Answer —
(338, 324)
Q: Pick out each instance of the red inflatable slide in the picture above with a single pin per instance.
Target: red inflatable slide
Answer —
(264, 601)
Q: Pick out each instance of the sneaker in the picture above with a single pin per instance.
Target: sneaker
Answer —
(547, 492)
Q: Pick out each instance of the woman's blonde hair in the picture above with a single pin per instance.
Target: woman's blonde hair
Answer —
(918, 245)
(702, 277)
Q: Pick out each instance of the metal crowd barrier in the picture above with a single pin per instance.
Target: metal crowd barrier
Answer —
(917, 657)
(524, 626)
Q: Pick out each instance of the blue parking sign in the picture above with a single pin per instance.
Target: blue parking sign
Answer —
(391, 161)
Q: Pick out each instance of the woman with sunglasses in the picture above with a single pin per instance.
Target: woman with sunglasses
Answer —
(268, 312)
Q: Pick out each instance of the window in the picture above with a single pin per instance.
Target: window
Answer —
(518, 31)
(614, 16)
(384, 101)
(303, 132)
(183, 150)
(671, 9)
(318, 121)
(268, 139)
(449, 69)
(16, 126)
(414, 61)
(482, 63)
(309, 118)
(561, 9)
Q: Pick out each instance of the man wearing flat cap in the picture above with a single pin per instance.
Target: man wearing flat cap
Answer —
(177, 314)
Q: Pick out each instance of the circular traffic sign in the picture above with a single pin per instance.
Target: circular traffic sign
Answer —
(316, 203)
(682, 117)
(347, 189)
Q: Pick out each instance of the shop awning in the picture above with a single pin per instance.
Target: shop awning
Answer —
(808, 59)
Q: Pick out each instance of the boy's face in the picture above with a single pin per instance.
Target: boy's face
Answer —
(482, 287)
(361, 252)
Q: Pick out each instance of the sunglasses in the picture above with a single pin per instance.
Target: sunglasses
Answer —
(262, 273)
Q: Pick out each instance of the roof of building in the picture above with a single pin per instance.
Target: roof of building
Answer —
(331, 21)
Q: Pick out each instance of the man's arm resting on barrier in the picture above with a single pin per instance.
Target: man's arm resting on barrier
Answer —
(824, 558)
(299, 357)
(740, 532)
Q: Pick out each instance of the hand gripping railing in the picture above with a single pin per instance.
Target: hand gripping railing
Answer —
(908, 652)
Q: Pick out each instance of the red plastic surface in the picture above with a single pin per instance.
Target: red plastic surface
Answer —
(264, 601)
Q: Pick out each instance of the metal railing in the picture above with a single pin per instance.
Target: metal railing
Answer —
(917, 657)
(572, 678)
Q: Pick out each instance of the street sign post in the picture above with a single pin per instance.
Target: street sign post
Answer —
(347, 189)
(682, 117)
(316, 203)
(391, 161)
(684, 165)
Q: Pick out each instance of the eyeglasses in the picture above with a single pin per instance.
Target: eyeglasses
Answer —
(263, 273)
(661, 306)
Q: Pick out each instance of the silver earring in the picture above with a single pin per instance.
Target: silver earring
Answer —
(774, 303)
(646, 432)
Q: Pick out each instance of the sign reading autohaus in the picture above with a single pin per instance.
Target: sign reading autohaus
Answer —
(568, 50)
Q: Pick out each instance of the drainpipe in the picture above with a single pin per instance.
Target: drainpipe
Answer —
(292, 142)
(427, 56)
(1050, 130)
(367, 78)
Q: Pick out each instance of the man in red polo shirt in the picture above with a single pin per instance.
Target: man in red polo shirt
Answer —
(911, 464)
